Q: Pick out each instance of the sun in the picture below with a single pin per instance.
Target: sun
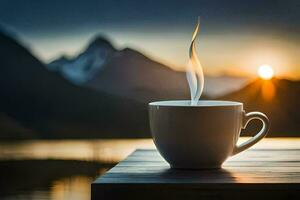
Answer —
(265, 72)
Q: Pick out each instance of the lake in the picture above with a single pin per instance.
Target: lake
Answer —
(58, 169)
(64, 169)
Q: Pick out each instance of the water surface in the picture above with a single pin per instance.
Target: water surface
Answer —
(64, 169)
(58, 169)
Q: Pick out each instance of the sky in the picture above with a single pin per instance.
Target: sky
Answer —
(235, 38)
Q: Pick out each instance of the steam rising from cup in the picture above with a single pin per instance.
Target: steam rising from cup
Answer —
(194, 72)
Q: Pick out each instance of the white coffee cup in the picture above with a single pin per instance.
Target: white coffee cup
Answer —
(201, 136)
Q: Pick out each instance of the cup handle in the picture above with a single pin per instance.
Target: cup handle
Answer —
(260, 135)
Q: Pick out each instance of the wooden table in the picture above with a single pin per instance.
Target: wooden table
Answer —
(258, 173)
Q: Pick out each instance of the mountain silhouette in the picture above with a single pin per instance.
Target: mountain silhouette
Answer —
(82, 68)
(103, 93)
(46, 103)
(131, 74)
(279, 99)
(127, 73)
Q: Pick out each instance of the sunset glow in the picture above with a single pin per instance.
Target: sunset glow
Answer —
(265, 72)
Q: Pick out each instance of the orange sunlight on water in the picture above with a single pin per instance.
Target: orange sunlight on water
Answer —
(102, 150)
(77, 187)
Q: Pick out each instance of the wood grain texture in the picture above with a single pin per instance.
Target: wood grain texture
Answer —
(253, 174)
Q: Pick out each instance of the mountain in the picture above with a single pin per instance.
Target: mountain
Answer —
(126, 73)
(35, 98)
(103, 93)
(131, 74)
(279, 99)
(83, 67)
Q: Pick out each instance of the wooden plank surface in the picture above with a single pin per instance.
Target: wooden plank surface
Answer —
(266, 173)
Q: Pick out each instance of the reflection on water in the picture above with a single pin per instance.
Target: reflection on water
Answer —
(64, 169)
(77, 187)
(58, 169)
(106, 151)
